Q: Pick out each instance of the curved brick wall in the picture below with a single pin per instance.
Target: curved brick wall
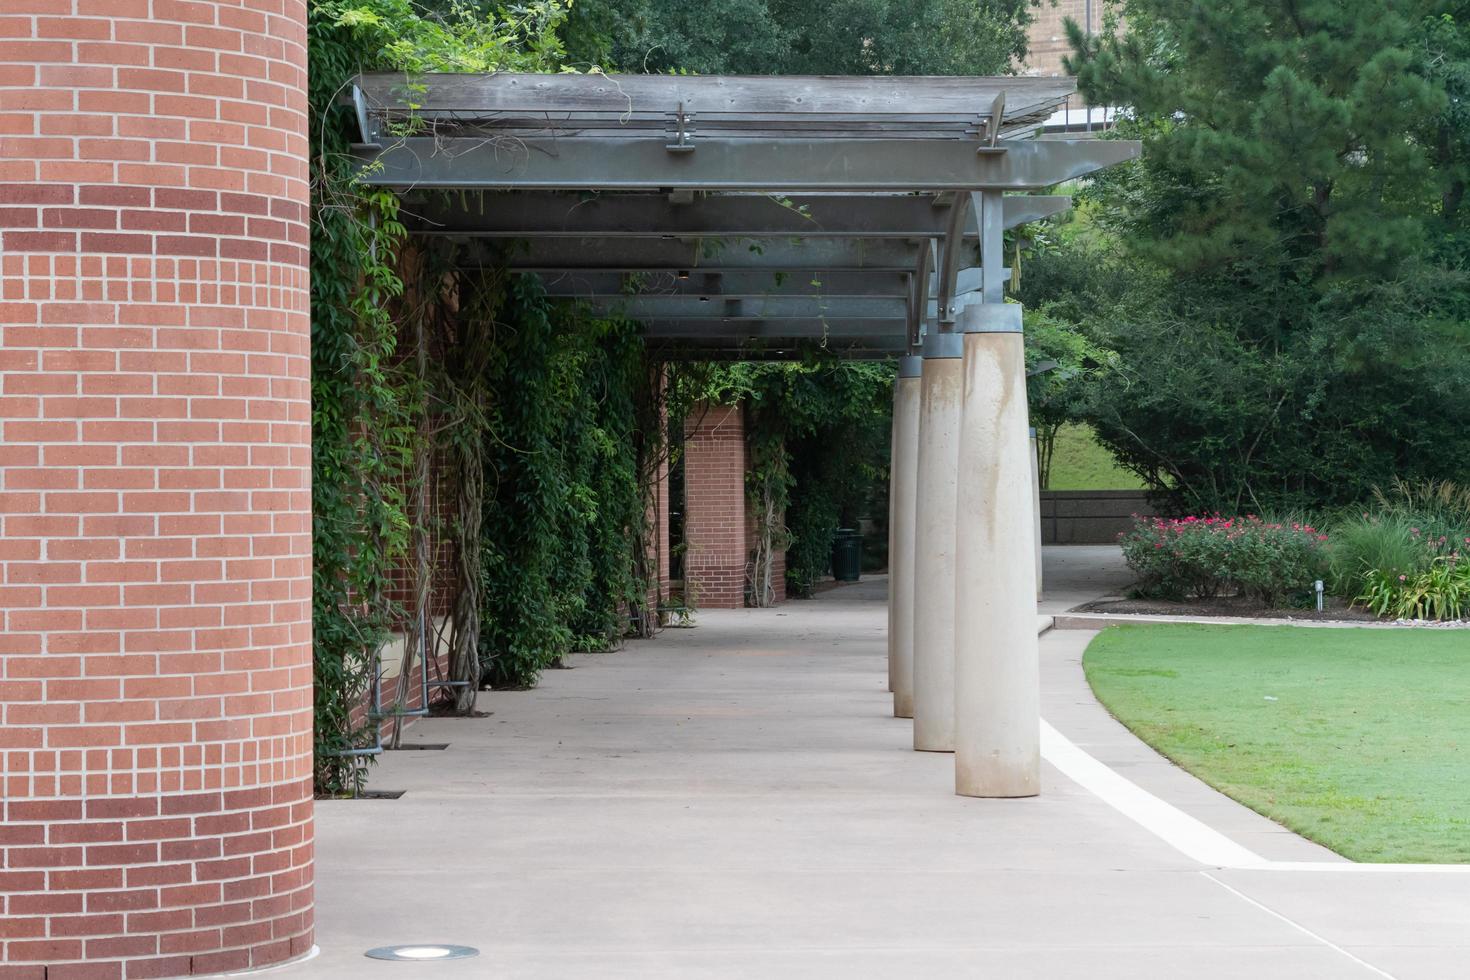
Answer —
(155, 515)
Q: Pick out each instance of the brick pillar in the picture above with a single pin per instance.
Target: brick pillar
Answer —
(155, 512)
(715, 512)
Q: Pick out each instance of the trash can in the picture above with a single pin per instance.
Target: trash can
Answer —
(847, 555)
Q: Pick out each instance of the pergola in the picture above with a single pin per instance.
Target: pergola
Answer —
(743, 217)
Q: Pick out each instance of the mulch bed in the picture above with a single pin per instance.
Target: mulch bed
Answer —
(1335, 609)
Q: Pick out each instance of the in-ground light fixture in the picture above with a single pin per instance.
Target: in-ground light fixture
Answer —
(422, 952)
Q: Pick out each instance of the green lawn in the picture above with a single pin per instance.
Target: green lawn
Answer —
(1358, 739)
(1079, 463)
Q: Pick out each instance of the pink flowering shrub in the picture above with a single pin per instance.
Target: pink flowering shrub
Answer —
(1205, 557)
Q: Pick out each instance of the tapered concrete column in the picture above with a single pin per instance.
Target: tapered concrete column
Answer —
(997, 698)
(892, 551)
(934, 541)
(1036, 507)
(905, 466)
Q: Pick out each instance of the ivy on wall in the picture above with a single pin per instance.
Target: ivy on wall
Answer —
(535, 412)
(548, 424)
(360, 423)
(564, 509)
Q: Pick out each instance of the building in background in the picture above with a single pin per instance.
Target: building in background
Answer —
(1047, 45)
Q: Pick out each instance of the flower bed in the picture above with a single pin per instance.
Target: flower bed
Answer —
(1208, 557)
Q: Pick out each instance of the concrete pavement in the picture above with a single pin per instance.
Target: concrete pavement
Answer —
(735, 800)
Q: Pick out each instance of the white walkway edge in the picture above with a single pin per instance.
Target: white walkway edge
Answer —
(1186, 834)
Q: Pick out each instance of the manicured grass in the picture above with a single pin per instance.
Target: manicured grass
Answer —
(1079, 463)
(1358, 739)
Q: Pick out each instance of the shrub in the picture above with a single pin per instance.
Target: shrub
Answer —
(1203, 557)
(1441, 591)
(1411, 527)
(1383, 543)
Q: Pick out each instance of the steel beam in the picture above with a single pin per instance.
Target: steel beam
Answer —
(703, 282)
(768, 165)
(715, 307)
(691, 255)
(860, 96)
(763, 307)
(735, 328)
(678, 351)
(542, 214)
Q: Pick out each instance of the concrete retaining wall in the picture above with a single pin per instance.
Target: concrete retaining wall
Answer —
(1090, 516)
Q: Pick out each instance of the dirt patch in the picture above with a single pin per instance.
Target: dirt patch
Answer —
(1336, 610)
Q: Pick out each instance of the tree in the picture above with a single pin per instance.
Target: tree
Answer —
(762, 37)
(1278, 134)
(1294, 332)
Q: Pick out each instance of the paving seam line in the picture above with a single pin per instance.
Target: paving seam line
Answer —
(1298, 926)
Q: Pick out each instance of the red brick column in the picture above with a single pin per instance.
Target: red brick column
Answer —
(715, 511)
(155, 513)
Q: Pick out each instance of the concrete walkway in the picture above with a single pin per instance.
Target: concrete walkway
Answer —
(736, 801)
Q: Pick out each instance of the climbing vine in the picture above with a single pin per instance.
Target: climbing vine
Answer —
(361, 427)
(529, 419)
(563, 517)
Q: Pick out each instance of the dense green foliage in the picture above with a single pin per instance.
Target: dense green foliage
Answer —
(360, 423)
(535, 410)
(1060, 364)
(563, 510)
(1351, 737)
(1282, 276)
(794, 37)
(819, 435)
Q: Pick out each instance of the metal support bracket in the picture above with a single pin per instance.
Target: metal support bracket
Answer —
(919, 296)
(992, 125)
(989, 209)
(684, 136)
(949, 256)
(367, 129)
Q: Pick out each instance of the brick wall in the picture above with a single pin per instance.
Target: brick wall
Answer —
(1046, 38)
(155, 514)
(715, 510)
